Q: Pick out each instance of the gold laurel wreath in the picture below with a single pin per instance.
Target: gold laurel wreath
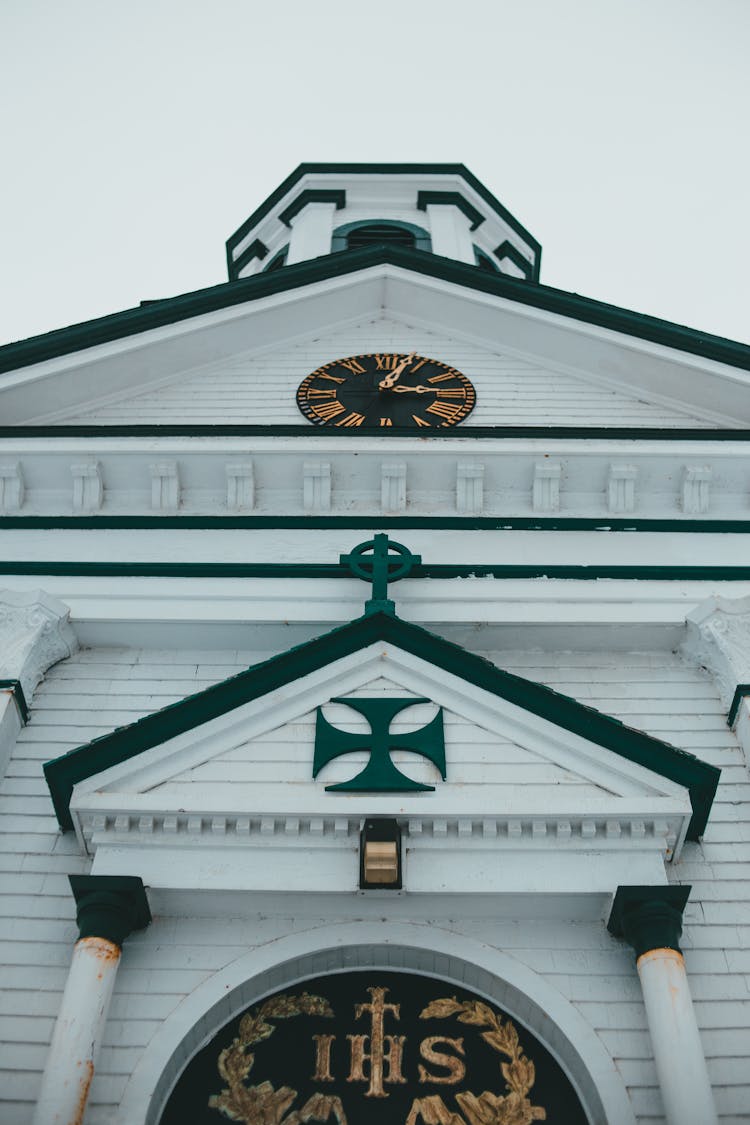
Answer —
(519, 1074)
(262, 1105)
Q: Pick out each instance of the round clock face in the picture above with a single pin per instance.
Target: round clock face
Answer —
(386, 389)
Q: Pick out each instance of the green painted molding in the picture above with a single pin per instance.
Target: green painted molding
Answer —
(110, 906)
(426, 199)
(467, 432)
(336, 196)
(332, 570)
(671, 526)
(256, 249)
(16, 690)
(127, 742)
(508, 250)
(649, 917)
(116, 326)
(740, 692)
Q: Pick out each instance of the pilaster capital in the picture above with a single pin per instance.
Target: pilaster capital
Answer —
(35, 632)
(648, 917)
(719, 640)
(110, 906)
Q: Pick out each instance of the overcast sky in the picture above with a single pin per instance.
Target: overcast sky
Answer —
(137, 136)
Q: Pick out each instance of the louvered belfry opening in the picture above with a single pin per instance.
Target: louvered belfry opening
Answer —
(380, 232)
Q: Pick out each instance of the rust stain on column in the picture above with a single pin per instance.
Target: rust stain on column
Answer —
(83, 1093)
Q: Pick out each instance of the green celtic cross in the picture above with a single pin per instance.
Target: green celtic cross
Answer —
(379, 775)
(380, 561)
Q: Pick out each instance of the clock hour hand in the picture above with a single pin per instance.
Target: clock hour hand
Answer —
(386, 383)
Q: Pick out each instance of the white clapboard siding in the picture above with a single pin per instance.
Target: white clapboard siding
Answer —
(261, 389)
(96, 689)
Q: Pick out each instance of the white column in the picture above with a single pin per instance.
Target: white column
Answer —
(678, 1052)
(109, 908)
(450, 232)
(312, 232)
(78, 1032)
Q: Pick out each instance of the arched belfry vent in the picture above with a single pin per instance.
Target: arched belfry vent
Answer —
(440, 209)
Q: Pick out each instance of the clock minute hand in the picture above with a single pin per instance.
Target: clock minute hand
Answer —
(392, 376)
(420, 390)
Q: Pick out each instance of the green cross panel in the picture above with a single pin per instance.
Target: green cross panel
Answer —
(379, 775)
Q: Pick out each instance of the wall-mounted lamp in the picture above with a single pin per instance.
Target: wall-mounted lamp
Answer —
(380, 854)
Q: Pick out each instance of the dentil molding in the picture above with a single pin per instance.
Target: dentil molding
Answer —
(35, 632)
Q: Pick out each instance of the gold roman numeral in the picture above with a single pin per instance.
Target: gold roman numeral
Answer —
(331, 378)
(443, 410)
(352, 365)
(327, 410)
(322, 394)
(417, 366)
(386, 421)
(460, 392)
(385, 362)
(421, 421)
(352, 419)
(441, 378)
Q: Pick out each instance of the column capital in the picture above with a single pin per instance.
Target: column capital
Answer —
(719, 639)
(110, 906)
(649, 917)
(35, 632)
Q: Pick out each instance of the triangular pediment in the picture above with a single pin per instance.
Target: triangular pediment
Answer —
(143, 352)
(513, 748)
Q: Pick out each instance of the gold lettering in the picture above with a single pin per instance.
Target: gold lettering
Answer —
(441, 378)
(460, 392)
(322, 394)
(420, 421)
(417, 366)
(323, 1058)
(386, 1051)
(352, 419)
(386, 421)
(455, 1067)
(385, 362)
(331, 378)
(352, 365)
(328, 410)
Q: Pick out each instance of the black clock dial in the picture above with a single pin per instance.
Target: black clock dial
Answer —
(386, 389)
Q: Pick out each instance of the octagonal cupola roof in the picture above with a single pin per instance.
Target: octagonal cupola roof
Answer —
(326, 209)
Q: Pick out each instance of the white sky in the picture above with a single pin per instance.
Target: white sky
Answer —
(137, 136)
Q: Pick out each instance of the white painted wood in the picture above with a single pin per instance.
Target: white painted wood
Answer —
(621, 488)
(240, 486)
(393, 486)
(450, 232)
(546, 486)
(165, 486)
(11, 486)
(316, 486)
(470, 488)
(678, 1053)
(78, 1033)
(88, 487)
(312, 228)
(696, 489)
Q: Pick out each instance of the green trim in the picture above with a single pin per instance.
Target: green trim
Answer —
(347, 169)
(470, 433)
(279, 256)
(331, 570)
(16, 690)
(312, 195)
(126, 742)
(739, 694)
(649, 917)
(426, 199)
(670, 526)
(256, 249)
(508, 250)
(75, 338)
(421, 237)
(110, 906)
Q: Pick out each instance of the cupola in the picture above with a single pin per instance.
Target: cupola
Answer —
(438, 209)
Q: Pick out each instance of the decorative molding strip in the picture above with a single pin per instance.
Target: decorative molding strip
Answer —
(11, 487)
(719, 640)
(35, 632)
(88, 487)
(621, 488)
(316, 486)
(240, 486)
(469, 487)
(165, 486)
(696, 489)
(546, 488)
(393, 486)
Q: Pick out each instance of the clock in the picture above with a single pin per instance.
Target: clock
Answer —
(386, 389)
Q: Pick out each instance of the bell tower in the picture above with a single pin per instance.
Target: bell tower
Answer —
(437, 209)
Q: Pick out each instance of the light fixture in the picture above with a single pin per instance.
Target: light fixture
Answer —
(380, 854)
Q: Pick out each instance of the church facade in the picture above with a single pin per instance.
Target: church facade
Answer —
(375, 689)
